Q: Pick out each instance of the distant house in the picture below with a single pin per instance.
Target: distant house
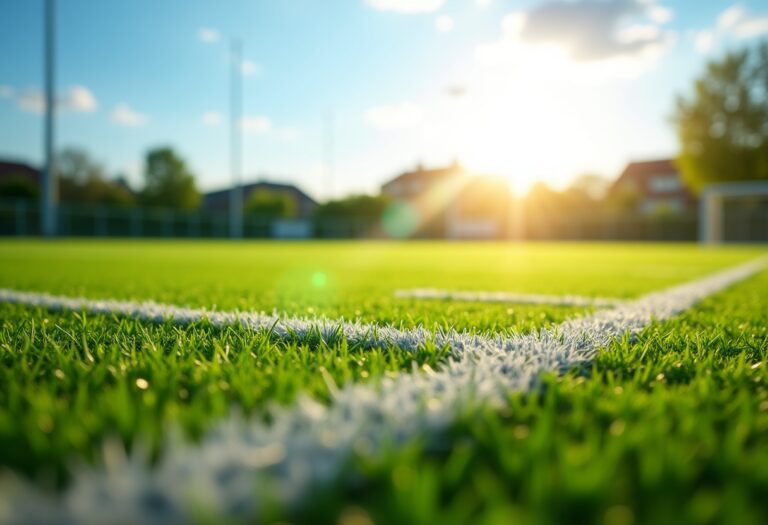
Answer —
(654, 186)
(10, 169)
(413, 184)
(219, 200)
(451, 202)
(18, 180)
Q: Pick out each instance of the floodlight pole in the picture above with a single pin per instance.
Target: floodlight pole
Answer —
(48, 183)
(329, 157)
(235, 142)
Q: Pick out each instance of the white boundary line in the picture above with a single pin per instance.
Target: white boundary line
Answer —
(505, 297)
(240, 464)
(287, 327)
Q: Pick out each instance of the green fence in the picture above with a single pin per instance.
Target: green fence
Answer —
(22, 218)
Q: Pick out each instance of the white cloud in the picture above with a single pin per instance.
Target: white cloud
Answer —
(588, 30)
(31, 100)
(208, 35)
(660, 14)
(212, 118)
(513, 23)
(406, 6)
(255, 124)
(704, 41)
(78, 99)
(482, 3)
(752, 28)
(583, 41)
(638, 33)
(731, 17)
(289, 134)
(249, 67)
(735, 23)
(6, 91)
(124, 115)
(395, 116)
(444, 23)
(622, 52)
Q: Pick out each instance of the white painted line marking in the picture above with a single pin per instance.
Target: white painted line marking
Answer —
(505, 297)
(234, 468)
(282, 327)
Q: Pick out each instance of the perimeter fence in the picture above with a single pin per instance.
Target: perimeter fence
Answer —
(21, 218)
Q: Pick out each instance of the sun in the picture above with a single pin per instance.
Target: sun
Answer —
(531, 113)
(524, 135)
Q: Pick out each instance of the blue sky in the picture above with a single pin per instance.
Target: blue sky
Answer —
(532, 90)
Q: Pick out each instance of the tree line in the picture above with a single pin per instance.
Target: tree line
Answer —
(168, 182)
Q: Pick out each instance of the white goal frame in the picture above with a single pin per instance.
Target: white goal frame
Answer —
(711, 206)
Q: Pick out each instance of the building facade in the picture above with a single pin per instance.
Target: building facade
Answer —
(219, 200)
(654, 187)
(452, 203)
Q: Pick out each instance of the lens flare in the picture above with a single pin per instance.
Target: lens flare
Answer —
(400, 220)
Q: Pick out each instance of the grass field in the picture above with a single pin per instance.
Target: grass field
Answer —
(671, 427)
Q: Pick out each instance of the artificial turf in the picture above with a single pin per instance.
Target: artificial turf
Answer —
(670, 428)
(72, 379)
(346, 278)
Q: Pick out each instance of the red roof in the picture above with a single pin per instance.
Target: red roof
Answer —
(15, 169)
(428, 176)
(641, 176)
(648, 168)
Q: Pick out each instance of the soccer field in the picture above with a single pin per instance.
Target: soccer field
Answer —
(318, 383)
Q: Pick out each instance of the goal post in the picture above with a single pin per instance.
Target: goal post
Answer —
(712, 214)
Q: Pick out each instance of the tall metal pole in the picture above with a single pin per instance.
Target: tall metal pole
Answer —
(48, 182)
(329, 160)
(235, 142)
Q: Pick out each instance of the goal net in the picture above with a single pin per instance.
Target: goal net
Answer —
(734, 212)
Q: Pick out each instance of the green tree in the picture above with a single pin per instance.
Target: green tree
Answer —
(543, 201)
(76, 166)
(589, 187)
(623, 199)
(723, 126)
(168, 181)
(82, 180)
(19, 187)
(367, 207)
(273, 204)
